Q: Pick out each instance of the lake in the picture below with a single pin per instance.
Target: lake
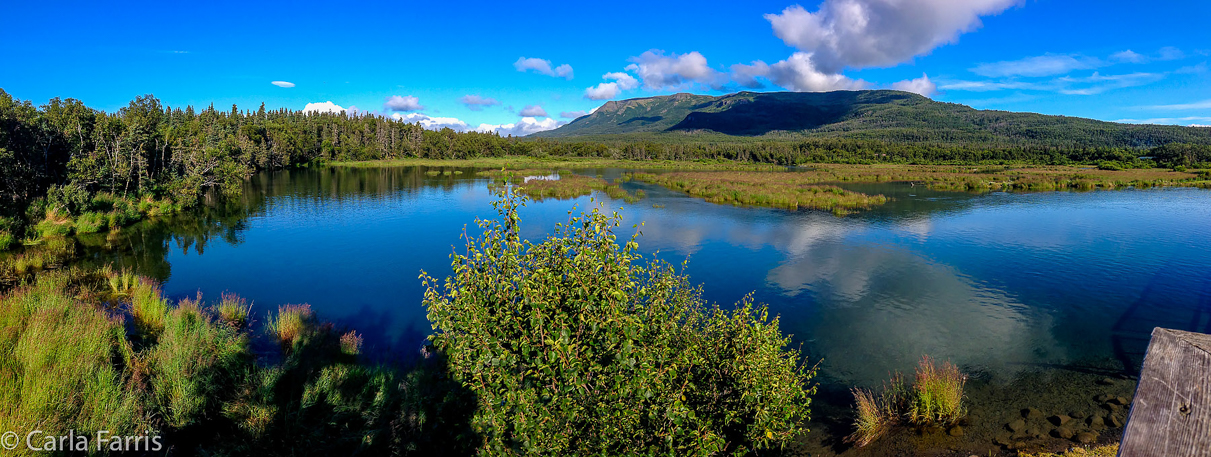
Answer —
(999, 283)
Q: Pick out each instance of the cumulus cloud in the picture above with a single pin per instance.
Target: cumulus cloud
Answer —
(533, 111)
(799, 73)
(432, 123)
(878, 33)
(746, 75)
(525, 126)
(477, 103)
(325, 107)
(920, 85)
(286, 84)
(661, 72)
(572, 114)
(404, 103)
(1044, 65)
(544, 67)
(616, 83)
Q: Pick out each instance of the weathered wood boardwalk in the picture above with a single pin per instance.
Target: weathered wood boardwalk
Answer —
(1171, 413)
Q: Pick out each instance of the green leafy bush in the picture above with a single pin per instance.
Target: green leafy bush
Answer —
(575, 345)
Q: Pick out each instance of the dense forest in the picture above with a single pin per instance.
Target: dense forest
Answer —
(62, 161)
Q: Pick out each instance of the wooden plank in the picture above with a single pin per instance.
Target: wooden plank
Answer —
(1171, 412)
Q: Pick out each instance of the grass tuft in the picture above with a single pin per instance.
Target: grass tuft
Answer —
(234, 310)
(292, 323)
(148, 307)
(938, 393)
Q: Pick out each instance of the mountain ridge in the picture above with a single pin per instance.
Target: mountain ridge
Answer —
(887, 115)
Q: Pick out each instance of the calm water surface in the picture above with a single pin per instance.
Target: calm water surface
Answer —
(998, 283)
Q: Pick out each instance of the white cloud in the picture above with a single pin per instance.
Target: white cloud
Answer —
(432, 123)
(799, 73)
(1044, 65)
(1098, 83)
(572, 114)
(746, 75)
(1128, 56)
(564, 71)
(325, 107)
(477, 103)
(404, 103)
(985, 86)
(1205, 104)
(616, 83)
(544, 67)
(920, 85)
(533, 111)
(661, 72)
(1198, 125)
(1192, 69)
(1170, 53)
(286, 84)
(525, 126)
(878, 33)
(1169, 120)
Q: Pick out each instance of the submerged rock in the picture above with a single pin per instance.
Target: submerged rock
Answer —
(1016, 426)
(1086, 437)
(1064, 432)
(1004, 439)
(1060, 419)
(1032, 413)
(1122, 401)
(956, 431)
(1097, 421)
(1116, 422)
(1106, 382)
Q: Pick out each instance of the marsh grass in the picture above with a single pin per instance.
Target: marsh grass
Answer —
(291, 324)
(937, 393)
(192, 360)
(934, 398)
(55, 363)
(148, 307)
(779, 190)
(351, 343)
(233, 310)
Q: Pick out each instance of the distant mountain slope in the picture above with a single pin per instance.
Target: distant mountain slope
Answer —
(873, 114)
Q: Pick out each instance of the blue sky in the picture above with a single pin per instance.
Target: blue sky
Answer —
(462, 63)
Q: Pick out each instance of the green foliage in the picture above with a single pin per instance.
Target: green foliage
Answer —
(575, 345)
